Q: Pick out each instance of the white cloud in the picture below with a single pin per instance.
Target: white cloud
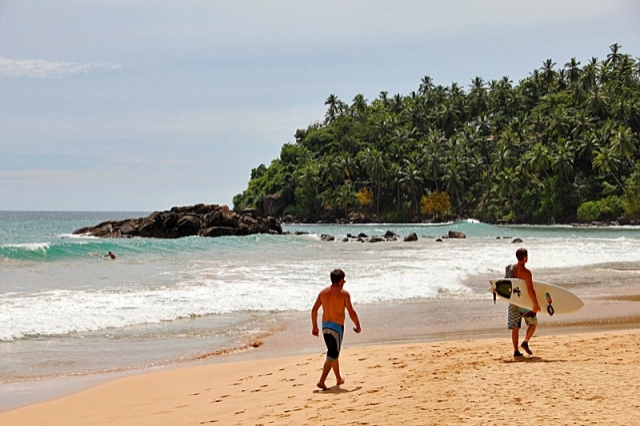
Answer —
(40, 68)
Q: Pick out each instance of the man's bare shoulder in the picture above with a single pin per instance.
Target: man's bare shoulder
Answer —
(522, 272)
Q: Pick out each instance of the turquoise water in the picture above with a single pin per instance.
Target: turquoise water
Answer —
(66, 311)
(47, 236)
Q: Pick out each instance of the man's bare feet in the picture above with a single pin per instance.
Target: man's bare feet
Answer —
(340, 381)
(322, 386)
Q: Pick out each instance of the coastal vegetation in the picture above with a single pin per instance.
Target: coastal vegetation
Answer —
(560, 145)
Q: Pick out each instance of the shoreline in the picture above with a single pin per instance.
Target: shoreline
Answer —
(616, 312)
(454, 381)
(607, 308)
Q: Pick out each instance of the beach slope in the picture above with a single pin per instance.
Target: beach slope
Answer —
(591, 378)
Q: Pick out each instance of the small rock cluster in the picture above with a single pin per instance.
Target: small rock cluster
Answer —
(388, 236)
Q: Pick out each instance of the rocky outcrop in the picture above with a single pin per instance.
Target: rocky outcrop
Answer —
(206, 220)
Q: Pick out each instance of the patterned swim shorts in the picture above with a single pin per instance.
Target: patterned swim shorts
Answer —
(516, 314)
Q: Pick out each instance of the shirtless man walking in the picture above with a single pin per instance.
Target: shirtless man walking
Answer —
(516, 314)
(334, 300)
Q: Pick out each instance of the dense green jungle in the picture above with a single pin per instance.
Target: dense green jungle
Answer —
(560, 146)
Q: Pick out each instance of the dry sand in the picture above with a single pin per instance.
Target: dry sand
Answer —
(591, 378)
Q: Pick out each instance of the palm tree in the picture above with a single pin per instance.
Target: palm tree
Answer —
(562, 159)
(548, 73)
(373, 163)
(344, 197)
(395, 171)
(538, 159)
(432, 156)
(332, 170)
(359, 106)
(453, 181)
(308, 177)
(573, 70)
(589, 74)
(585, 145)
(412, 180)
(614, 56)
(397, 104)
(624, 143)
(557, 122)
(581, 124)
(332, 101)
(598, 102)
(347, 165)
(606, 162)
(426, 84)
(507, 183)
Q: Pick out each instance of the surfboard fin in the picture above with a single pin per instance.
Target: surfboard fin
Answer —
(494, 297)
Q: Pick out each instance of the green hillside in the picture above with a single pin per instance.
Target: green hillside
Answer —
(560, 145)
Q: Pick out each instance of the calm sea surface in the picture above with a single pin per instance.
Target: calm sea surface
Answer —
(65, 310)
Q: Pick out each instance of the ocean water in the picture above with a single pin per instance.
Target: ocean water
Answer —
(65, 310)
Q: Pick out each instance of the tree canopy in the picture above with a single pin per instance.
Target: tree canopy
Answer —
(531, 152)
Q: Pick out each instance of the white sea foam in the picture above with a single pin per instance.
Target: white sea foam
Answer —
(43, 247)
(78, 236)
(271, 274)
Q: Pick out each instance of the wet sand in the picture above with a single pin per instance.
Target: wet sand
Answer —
(589, 378)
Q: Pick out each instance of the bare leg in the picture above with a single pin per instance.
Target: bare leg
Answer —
(336, 371)
(326, 368)
(515, 336)
(530, 330)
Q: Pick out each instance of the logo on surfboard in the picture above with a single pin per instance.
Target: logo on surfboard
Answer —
(550, 309)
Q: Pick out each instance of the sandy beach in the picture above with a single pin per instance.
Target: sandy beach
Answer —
(587, 378)
(409, 366)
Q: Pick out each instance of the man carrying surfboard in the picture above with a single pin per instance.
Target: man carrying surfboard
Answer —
(334, 301)
(516, 314)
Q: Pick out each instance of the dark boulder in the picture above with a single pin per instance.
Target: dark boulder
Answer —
(411, 237)
(624, 221)
(188, 225)
(456, 234)
(389, 234)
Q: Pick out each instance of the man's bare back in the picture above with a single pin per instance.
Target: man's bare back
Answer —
(333, 300)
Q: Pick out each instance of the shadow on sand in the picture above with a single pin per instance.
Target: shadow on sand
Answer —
(531, 359)
(337, 390)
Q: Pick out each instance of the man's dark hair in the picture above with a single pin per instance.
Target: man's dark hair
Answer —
(521, 253)
(337, 275)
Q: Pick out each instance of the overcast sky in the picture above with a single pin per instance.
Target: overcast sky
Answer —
(144, 105)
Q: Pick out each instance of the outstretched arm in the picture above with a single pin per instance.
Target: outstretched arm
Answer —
(314, 317)
(352, 313)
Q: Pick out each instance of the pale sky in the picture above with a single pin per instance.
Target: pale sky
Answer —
(126, 105)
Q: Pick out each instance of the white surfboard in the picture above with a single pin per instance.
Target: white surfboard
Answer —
(551, 298)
